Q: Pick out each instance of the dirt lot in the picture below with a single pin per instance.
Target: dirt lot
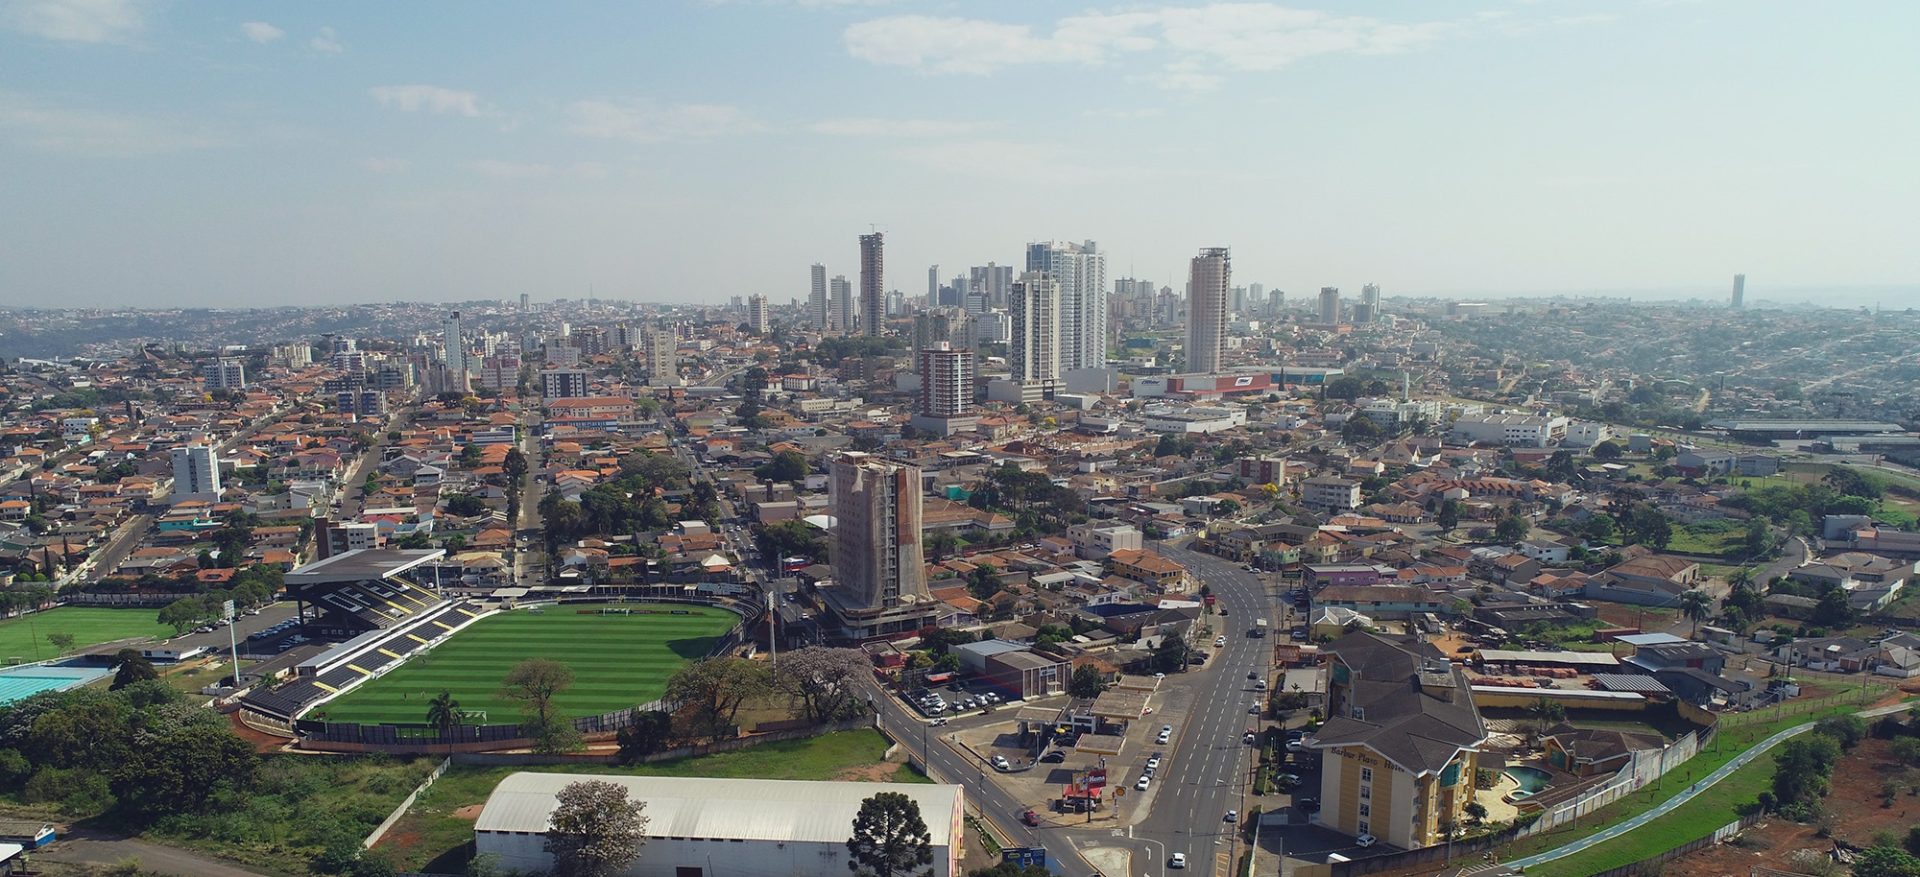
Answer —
(1856, 810)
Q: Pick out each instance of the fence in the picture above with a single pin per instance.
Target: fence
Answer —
(1652, 866)
(405, 805)
(1643, 771)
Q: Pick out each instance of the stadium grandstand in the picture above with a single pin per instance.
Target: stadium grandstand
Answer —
(365, 595)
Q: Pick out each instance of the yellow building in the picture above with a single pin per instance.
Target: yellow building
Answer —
(1400, 746)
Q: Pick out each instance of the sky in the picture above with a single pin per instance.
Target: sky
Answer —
(212, 153)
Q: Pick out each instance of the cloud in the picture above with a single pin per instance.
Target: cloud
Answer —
(427, 99)
(380, 165)
(261, 32)
(38, 125)
(326, 42)
(510, 170)
(903, 128)
(76, 21)
(646, 121)
(1198, 41)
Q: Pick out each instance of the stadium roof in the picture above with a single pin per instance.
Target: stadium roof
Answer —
(800, 811)
(1805, 426)
(362, 564)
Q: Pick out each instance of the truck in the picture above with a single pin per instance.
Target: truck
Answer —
(1260, 626)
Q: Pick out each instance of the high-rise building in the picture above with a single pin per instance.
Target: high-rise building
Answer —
(1739, 290)
(946, 380)
(758, 317)
(226, 373)
(1276, 302)
(1370, 296)
(930, 327)
(841, 313)
(1208, 280)
(933, 285)
(817, 305)
(454, 352)
(562, 383)
(873, 303)
(1081, 271)
(993, 279)
(196, 473)
(877, 557)
(1330, 305)
(663, 357)
(1034, 303)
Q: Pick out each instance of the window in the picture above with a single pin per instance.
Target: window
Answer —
(1366, 792)
(1366, 774)
(1365, 828)
(1366, 810)
(1360, 712)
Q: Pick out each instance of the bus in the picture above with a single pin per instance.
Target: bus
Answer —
(1260, 626)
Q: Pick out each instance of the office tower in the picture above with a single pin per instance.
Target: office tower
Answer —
(817, 307)
(933, 285)
(1034, 301)
(896, 303)
(1276, 302)
(525, 302)
(873, 314)
(1081, 271)
(1739, 290)
(1330, 305)
(946, 380)
(1208, 280)
(876, 555)
(841, 314)
(758, 318)
(663, 358)
(562, 383)
(976, 302)
(738, 304)
(992, 279)
(1256, 294)
(226, 373)
(196, 473)
(1370, 296)
(1237, 300)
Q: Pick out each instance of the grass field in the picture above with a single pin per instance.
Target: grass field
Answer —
(26, 637)
(437, 834)
(618, 661)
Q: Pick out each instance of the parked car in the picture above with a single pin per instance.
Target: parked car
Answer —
(1054, 757)
(1219, 642)
(1365, 840)
(1000, 762)
(1248, 739)
(1142, 783)
(1153, 763)
(1307, 805)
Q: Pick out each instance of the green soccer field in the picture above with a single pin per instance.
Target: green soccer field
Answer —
(618, 661)
(25, 638)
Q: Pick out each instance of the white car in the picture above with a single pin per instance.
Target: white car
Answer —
(1000, 762)
(1233, 816)
(1219, 642)
(1365, 840)
(1177, 860)
(1142, 784)
(1163, 738)
(1153, 763)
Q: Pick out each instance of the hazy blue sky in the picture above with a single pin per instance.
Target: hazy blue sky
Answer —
(205, 152)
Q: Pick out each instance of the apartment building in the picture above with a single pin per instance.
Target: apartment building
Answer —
(1330, 494)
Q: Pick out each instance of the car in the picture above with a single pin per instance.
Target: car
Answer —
(1153, 763)
(1365, 840)
(1163, 738)
(1000, 762)
(1030, 818)
(1307, 805)
(1248, 739)
(1177, 860)
(1142, 783)
(1219, 642)
(1253, 709)
(1054, 757)
(1233, 816)
(1289, 778)
(1297, 734)
(1253, 674)
(1166, 730)
(938, 722)
(1259, 685)
(1296, 745)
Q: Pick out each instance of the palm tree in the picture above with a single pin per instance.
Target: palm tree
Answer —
(1696, 606)
(1741, 578)
(443, 713)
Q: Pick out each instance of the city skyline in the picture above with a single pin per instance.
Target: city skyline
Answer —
(226, 155)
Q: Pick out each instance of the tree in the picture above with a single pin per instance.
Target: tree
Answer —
(1833, 609)
(824, 681)
(595, 830)
(1560, 466)
(1801, 768)
(1449, 516)
(1608, 451)
(444, 715)
(535, 682)
(983, 581)
(1476, 811)
(61, 642)
(132, 667)
(890, 839)
(1512, 528)
(464, 505)
(785, 466)
(1847, 731)
(183, 613)
(515, 464)
(1696, 606)
(1759, 537)
(1170, 656)
(715, 688)
(1087, 681)
(650, 732)
(1885, 861)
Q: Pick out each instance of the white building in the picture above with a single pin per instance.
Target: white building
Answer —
(840, 312)
(1209, 279)
(1586, 434)
(1332, 494)
(1329, 305)
(1196, 419)
(1034, 352)
(1095, 541)
(706, 827)
(226, 373)
(196, 473)
(663, 358)
(817, 307)
(1511, 430)
(1392, 412)
(758, 318)
(1081, 271)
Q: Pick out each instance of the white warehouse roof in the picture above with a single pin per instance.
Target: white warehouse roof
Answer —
(802, 811)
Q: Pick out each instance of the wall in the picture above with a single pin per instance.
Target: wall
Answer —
(660, 856)
(387, 824)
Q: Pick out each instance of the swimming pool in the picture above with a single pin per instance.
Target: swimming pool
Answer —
(1531, 780)
(17, 683)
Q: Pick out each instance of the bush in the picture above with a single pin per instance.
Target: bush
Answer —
(79, 792)
(1848, 731)
(14, 768)
(1907, 750)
